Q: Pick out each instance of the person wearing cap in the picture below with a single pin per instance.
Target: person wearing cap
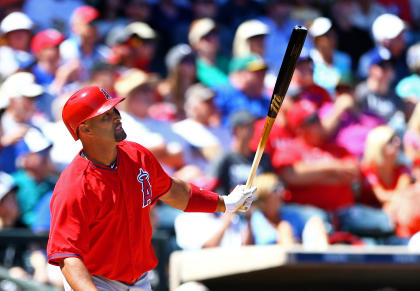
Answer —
(82, 49)
(317, 173)
(107, 192)
(250, 38)
(16, 30)
(182, 73)
(330, 65)
(138, 88)
(20, 119)
(211, 65)
(143, 40)
(302, 85)
(233, 166)
(201, 128)
(409, 87)
(121, 53)
(389, 32)
(377, 95)
(245, 90)
(48, 70)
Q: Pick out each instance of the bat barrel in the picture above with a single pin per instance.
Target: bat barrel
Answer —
(296, 41)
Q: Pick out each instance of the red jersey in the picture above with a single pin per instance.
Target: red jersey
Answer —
(101, 214)
(325, 196)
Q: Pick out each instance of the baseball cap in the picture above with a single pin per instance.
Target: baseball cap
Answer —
(198, 92)
(117, 35)
(251, 63)
(387, 26)
(413, 57)
(241, 118)
(46, 38)
(85, 14)
(7, 184)
(21, 84)
(142, 30)
(199, 28)
(131, 80)
(16, 21)
(176, 54)
(301, 112)
(320, 26)
(252, 28)
(380, 56)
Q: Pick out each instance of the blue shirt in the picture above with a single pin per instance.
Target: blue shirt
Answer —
(229, 99)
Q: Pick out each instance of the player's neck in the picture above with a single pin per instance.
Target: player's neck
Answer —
(104, 156)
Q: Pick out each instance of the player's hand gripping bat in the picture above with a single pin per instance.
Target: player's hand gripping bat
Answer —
(284, 77)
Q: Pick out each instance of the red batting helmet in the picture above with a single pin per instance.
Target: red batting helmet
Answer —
(85, 104)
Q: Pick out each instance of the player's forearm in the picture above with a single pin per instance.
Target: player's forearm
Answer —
(77, 275)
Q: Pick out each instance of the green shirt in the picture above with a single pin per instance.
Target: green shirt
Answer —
(29, 193)
(213, 75)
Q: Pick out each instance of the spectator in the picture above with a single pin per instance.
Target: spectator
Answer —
(266, 222)
(201, 128)
(63, 148)
(54, 14)
(234, 166)
(321, 176)
(352, 22)
(138, 10)
(180, 64)
(347, 124)
(82, 49)
(167, 16)
(330, 66)
(211, 66)
(35, 178)
(20, 119)
(121, 52)
(376, 94)
(45, 47)
(139, 87)
(9, 209)
(245, 90)
(388, 33)
(143, 40)
(111, 14)
(302, 85)
(250, 38)
(16, 29)
(412, 136)
(385, 175)
(408, 87)
(280, 25)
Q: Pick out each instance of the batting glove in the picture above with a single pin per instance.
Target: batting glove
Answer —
(240, 199)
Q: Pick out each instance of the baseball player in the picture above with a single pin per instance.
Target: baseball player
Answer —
(100, 232)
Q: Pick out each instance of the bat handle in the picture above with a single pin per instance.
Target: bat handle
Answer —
(269, 121)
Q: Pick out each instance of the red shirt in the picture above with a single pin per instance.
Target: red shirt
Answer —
(371, 179)
(101, 214)
(325, 196)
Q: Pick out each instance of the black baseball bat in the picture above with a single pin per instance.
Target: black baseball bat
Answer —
(288, 65)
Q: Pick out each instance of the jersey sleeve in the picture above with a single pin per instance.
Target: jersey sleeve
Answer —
(69, 223)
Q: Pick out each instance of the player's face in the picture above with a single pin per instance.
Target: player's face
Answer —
(108, 126)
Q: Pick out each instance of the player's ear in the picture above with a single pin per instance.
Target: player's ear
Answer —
(83, 129)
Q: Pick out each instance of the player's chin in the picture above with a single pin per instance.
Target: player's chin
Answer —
(120, 135)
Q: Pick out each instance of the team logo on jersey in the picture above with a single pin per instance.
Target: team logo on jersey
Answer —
(107, 96)
(146, 188)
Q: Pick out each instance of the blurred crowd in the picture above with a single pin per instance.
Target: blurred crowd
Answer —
(342, 162)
